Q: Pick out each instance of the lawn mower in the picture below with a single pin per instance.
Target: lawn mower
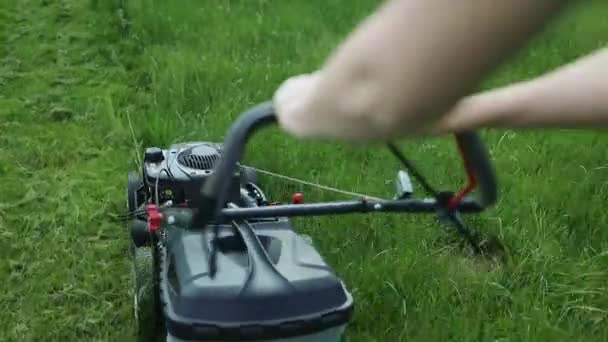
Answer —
(214, 259)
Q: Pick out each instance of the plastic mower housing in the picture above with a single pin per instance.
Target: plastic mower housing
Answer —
(289, 292)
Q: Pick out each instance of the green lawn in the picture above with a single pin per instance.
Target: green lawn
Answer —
(82, 93)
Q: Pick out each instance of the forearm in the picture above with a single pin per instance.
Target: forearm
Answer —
(413, 59)
(573, 96)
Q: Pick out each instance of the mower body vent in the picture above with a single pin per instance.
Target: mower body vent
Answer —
(201, 157)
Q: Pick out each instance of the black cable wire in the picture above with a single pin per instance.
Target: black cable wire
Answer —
(464, 231)
(212, 263)
(451, 215)
(413, 171)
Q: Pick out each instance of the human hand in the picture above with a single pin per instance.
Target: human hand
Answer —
(306, 107)
(290, 100)
(572, 96)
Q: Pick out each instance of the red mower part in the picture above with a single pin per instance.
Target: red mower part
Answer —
(472, 180)
(154, 218)
(297, 198)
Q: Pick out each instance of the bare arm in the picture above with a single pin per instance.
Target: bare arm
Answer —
(572, 96)
(406, 65)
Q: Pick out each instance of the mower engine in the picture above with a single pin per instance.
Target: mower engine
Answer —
(272, 284)
(179, 172)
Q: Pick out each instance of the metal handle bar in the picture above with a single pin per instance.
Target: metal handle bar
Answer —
(215, 189)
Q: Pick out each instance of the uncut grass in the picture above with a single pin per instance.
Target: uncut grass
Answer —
(184, 71)
(63, 262)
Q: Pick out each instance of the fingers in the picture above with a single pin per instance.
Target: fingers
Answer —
(291, 103)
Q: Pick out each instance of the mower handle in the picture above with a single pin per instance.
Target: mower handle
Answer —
(215, 189)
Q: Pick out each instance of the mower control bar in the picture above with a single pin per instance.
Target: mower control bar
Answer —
(184, 217)
(215, 190)
(344, 207)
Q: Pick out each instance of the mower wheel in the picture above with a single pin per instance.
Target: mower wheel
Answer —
(147, 321)
(140, 235)
(248, 175)
(133, 186)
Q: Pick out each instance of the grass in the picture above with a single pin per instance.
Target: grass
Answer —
(81, 95)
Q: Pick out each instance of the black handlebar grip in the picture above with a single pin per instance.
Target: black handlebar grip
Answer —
(215, 189)
(477, 157)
